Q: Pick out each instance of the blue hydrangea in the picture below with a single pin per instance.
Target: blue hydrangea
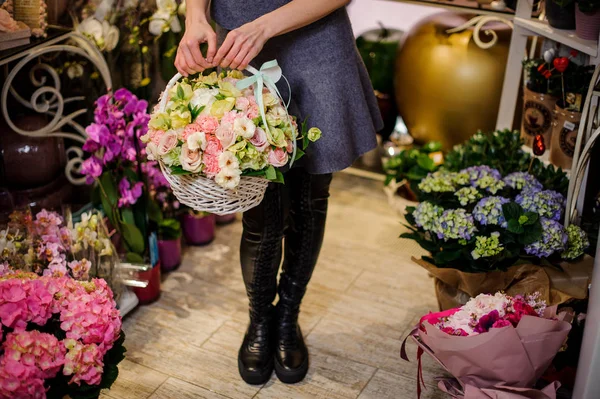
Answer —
(426, 215)
(467, 195)
(577, 242)
(488, 211)
(454, 224)
(489, 183)
(437, 182)
(554, 238)
(487, 246)
(477, 172)
(547, 203)
(523, 181)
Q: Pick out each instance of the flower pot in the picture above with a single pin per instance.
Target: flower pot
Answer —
(225, 219)
(537, 116)
(151, 292)
(587, 26)
(564, 137)
(170, 254)
(198, 230)
(560, 17)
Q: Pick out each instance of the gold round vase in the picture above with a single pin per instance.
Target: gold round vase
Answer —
(537, 117)
(447, 88)
(564, 137)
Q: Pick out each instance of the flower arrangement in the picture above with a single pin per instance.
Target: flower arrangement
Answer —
(526, 336)
(115, 166)
(212, 128)
(477, 220)
(58, 337)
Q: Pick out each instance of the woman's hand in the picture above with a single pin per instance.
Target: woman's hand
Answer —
(189, 59)
(241, 46)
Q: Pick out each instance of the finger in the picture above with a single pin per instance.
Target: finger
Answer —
(249, 57)
(178, 65)
(198, 57)
(228, 59)
(240, 57)
(183, 64)
(212, 47)
(192, 67)
(225, 47)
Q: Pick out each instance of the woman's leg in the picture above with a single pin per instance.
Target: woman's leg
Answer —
(260, 255)
(308, 195)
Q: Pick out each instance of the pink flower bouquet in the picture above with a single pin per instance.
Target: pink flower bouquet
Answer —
(496, 346)
(215, 126)
(58, 336)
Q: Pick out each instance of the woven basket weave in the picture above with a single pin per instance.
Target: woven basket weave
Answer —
(203, 194)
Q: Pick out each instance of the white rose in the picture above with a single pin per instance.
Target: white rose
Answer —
(244, 127)
(228, 160)
(228, 178)
(196, 141)
(204, 97)
(167, 142)
(191, 160)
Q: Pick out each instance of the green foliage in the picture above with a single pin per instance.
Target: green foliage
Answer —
(169, 229)
(412, 165)
(502, 150)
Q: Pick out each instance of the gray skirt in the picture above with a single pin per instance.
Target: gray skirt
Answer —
(329, 82)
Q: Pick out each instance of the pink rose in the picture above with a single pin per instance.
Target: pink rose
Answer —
(211, 165)
(190, 160)
(189, 130)
(207, 123)
(230, 117)
(252, 111)
(278, 157)
(242, 103)
(226, 135)
(167, 142)
(259, 140)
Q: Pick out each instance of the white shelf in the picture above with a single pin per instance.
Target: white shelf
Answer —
(461, 6)
(566, 37)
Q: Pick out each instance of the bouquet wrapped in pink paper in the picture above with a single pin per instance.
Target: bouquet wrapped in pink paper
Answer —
(496, 346)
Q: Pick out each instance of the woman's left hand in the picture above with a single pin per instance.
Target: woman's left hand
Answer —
(241, 46)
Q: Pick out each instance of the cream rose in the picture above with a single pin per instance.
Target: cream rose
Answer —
(228, 160)
(167, 142)
(204, 97)
(226, 135)
(191, 160)
(278, 157)
(244, 127)
(259, 140)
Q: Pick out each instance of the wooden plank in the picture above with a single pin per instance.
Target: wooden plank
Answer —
(389, 385)
(135, 381)
(175, 388)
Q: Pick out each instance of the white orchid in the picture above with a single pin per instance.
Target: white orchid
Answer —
(165, 18)
(104, 35)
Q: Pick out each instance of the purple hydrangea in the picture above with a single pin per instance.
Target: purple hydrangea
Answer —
(488, 211)
(477, 172)
(547, 203)
(523, 181)
(554, 238)
(454, 224)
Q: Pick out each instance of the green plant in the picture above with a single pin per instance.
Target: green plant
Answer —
(502, 150)
(413, 164)
(536, 81)
(588, 6)
(169, 229)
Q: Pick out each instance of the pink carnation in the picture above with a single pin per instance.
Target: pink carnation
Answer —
(252, 111)
(156, 135)
(83, 362)
(35, 349)
(189, 130)
(207, 123)
(230, 117)
(242, 104)
(213, 146)
(211, 163)
(501, 323)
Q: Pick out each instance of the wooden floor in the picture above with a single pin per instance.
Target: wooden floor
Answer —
(365, 296)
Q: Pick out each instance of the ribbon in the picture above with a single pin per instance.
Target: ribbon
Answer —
(269, 74)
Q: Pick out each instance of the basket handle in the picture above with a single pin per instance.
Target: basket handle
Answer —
(163, 101)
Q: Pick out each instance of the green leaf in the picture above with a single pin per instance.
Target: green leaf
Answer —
(280, 178)
(532, 218)
(254, 173)
(432, 146)
(425, 162)
(133, 238)
(532, 233)
(515, 227)
(180, 92)
(270, 173)
(299, 154)
(178, 171)
(109, 196)
(389, 179)
(133, 258)
(195, 111)
(169, 229)
(220, 97)
(154, 212)
(127, 216)
(512, 210)
(446, 256)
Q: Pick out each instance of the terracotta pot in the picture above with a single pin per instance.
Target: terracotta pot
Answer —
(560, 17)
(537, 116)
(151, 292)
(198, 230)
(564, 136)
(225, 219)
(587, 26)
(170, 254)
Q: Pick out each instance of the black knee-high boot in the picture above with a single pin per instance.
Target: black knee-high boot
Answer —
(303, 239)
(260, 254)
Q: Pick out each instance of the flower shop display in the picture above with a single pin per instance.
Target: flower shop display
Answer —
(560, 13)
(496, 345)
(58, 337)
(221, 138)
(198, 227)
(587, 19)
(487, 232)
(115, 167)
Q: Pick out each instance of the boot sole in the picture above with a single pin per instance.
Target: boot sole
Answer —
(291, 376)
(255, 377)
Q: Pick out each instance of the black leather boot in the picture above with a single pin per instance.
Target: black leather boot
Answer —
(260, 255)
(303, 239)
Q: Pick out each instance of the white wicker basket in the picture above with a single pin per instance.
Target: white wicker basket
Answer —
(203, 194)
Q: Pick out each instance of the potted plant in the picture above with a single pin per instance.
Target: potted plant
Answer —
(587, 19)
(198, 227)
(561, 13)
(225, 219)
(538, 101)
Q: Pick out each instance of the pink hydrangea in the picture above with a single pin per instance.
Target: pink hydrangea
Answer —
(20, 381)
(35, 349)
(83, 362)
(208, 124)
(23, 301)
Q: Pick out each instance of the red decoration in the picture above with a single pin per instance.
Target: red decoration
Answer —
(574, 53)
(539, 147)
(541, 68)
(547, 74)
(561, 64)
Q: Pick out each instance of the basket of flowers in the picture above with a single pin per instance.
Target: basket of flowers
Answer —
(221, 138)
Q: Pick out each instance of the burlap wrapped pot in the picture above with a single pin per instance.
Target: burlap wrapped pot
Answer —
(537, 116)
(564, 137)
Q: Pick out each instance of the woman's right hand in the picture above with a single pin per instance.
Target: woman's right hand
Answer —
(189, 59)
